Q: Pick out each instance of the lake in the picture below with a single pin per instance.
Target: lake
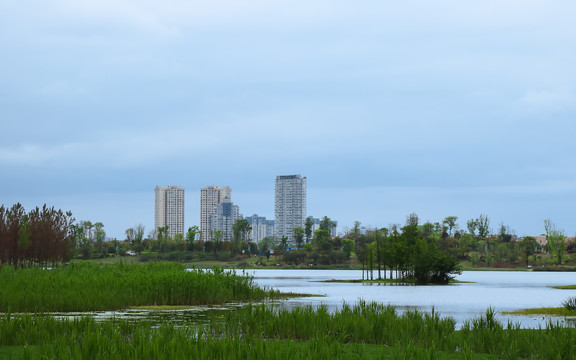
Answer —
(501, 290)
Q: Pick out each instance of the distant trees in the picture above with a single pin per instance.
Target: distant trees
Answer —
(411, 252)
(555, 239)
(42, 236)
(299, 234)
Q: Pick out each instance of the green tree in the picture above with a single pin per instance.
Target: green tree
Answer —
(322, 239)
(450, 222)
(327, 224)
(299, 234)
(528, 246)
(216, 240)
(348, 246)
(555, 240)
(483, 226)
(472, 225)
(138, 238)
(162, 238)
(100, 236)
(308, 224)
(191, 235)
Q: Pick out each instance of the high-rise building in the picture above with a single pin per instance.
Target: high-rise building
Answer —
(289, 205)
(223, 217)
(261, 227)
(169, 209)
(210, 197)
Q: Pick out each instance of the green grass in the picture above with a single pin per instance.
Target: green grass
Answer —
(43, 337)
(565, 287)
(88, 287)
(559, 311)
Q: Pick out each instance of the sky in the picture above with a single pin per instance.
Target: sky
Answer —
(439, 108)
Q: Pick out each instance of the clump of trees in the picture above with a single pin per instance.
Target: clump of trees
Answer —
(39, 237)
(407, 253)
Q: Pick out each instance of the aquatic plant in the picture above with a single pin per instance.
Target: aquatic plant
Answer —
(86, 286)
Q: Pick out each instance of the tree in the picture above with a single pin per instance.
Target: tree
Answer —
(327, 224)
(100, 236)
(138, 245)
(299, 234)
(162, 238)
(529, 246)
(347, 246)
(555, 240)
(191, 236)
(308, 224)
(322, 239)
(412, 220)
(217, 240)
(450, 222)
(130, 235)
(483, 226)
(241, 230)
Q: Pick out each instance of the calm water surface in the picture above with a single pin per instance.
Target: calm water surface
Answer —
(501, 290)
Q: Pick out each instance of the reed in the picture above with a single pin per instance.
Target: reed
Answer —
(88, 287)
(282, 334)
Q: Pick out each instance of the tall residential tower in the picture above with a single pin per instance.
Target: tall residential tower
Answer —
(210, 197)
(289, 205)
(169, 209)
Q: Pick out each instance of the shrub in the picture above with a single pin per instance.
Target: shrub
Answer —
(570, 304)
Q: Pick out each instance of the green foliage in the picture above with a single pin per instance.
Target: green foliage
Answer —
(570, 304)
(555, 240)
(86, 286)
(299, 234)
(348, 246)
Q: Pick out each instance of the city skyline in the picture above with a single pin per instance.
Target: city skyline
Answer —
(444, 108)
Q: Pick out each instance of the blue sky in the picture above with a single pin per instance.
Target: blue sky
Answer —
(439, 108)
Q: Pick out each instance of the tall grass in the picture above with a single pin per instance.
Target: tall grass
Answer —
(262, 332)
(88, 339)
(87, 287)
(365, 322)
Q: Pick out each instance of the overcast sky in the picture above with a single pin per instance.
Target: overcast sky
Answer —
(440, 108)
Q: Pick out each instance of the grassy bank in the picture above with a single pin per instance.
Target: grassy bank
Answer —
(87, 286)
(363, 331)
(557, 311)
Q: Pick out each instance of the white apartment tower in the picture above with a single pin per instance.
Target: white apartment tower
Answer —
(289, 205)
(210, 197)
(169, 209)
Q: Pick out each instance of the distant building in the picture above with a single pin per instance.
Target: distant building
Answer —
(210, 197)
(289, 205)
(169, 209)
(224, 216)
(261, 227)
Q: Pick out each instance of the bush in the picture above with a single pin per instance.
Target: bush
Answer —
(570, 304)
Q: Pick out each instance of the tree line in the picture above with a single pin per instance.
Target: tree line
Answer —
(39, 237)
